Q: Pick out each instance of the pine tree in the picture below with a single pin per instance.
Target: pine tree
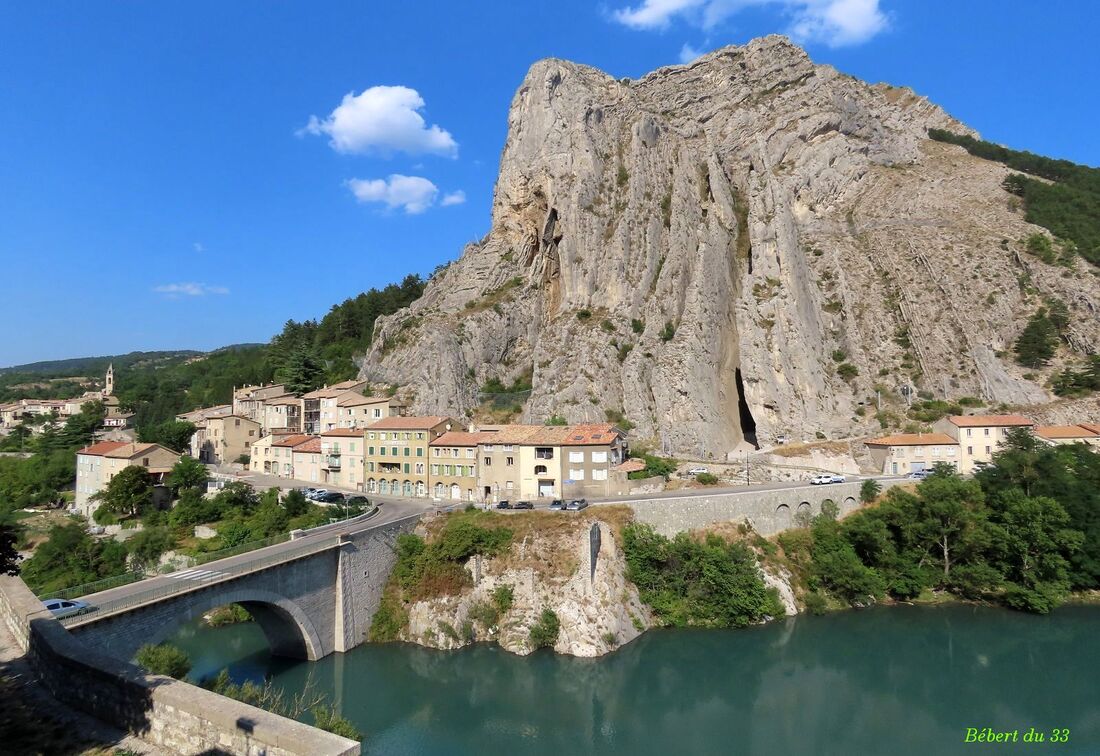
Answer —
(1037, 342)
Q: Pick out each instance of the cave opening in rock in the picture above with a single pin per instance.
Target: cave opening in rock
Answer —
(748, 424)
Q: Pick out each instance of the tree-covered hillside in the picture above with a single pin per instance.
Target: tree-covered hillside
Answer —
(1068, 206)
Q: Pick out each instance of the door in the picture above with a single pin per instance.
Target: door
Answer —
(916, 466)
(546, 488)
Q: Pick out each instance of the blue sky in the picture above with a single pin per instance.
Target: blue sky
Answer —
(190, 175)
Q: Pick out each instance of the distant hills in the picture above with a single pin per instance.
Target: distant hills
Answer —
(94, 366)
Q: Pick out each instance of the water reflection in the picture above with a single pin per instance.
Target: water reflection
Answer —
(896, 680)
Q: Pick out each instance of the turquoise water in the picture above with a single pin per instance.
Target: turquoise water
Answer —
(891, 680)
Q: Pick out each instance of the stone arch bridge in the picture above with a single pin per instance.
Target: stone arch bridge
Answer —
(311, 596)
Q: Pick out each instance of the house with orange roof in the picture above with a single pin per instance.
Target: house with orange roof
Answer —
(222, 439)
(1055, 435)
(353, 410)
(452, 466)
(905, 453)
(396, 461)
(98, 463)
(540, 461)
(343, 452)
(319, 411)
(274, 453)
(979, 436)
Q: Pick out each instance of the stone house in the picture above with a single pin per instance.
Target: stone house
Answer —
(98, 463)
(353, 410)
(1055, 435)
(397, 453)
(979, 436)
(453, 468)
(248, 401)
(904, 453)
(319, 411)
(224, 439)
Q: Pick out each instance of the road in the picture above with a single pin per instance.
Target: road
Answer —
(319, 539)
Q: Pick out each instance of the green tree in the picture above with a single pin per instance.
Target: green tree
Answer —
(147, 545)
(302, 371)
(1034, 540)
(9, 555)
(128, 494)
(164, 659)
(188, 472)
(70, 557)
(1038, 341)
(295, 503)
(174, 434)
(544, 633)
(869, 490)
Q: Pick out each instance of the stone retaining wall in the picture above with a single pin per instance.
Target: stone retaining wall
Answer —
(164, 712)
(768, 512)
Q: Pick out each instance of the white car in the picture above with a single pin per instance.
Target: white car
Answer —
(826, 479)
(66, 607)
(697, 471)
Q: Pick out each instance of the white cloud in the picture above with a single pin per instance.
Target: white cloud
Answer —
(384, 120)
(414, 193)
(198, 247)
(689, 53)
(189, 289)
(834, 22)
(453, 198)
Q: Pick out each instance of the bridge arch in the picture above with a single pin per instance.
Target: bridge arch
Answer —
(288, 629)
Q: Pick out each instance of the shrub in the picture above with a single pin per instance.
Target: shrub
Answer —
(607, 325)
(544, 633)
(637, 325)
(707, 479)
(584, 314)
(869, 490)
(668, 331)
(816, 603)
(388, 621)
(327, 719)
(164, 659)
(655, 466)
(484, 613)
(503, 596)
(839, 355)
(847, 371)
(556, 420)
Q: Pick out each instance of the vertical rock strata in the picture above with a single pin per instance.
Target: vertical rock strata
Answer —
(697, 247)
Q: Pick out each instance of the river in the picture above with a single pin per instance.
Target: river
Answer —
(891, 680)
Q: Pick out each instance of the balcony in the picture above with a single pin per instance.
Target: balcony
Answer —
(332, 462)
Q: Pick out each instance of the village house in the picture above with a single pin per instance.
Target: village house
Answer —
(906, 453)
(979, 436)
(319, 407)
(306, 460)
(274, 454)
(452, 466)
(536, 461)
(343, 453)
(248, 401)
(223, 439)
(353, 410)
(397, 453)
(98, 463)
(198, 415)
(1055, 435)
(283, 414)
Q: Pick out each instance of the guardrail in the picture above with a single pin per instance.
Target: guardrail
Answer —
(167, 586)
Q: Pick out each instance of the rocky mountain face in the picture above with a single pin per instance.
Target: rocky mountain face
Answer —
(730, 251)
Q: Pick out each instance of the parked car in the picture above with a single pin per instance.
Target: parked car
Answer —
(837, 479)
(307, 492)
(826, 479)
(557, 505)
(697, 470)
(919, 474)
(523, 505)
(504, 504)
(66, 607)
(316, 494)
(577, 505)
(331, 497)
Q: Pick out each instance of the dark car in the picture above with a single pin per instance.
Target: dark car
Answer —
(504, 504)
(577, 505)
(524, 505)
(557, 505)
(332, 497)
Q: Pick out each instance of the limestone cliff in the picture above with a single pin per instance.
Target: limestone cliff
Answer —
(696, 248)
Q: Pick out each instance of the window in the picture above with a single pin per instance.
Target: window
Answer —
(544, 452)
(435, 452)
(508, 485)
(419, 468)
(144, 461)
(576, 473)
(382, 451)
(377, 412)
(576, 456)
(371, 437)
(951, 451)
(407, 451)
(540, 469)
(969, 432)
(419, 436)
(487, 461)
(509, 461)
(987, 450)
(599, 456)
(370, 450)
(507, 447)
(435, 469)
(600, 474)
(394, 450)
(970, 450)
(987, 431)
(381, 436)
(351, 447)
(448, 470)
(470, 453)
(405, 468)
(407, 436)
(489, 448)
(420, 451)
(236, 423)
(251, 433)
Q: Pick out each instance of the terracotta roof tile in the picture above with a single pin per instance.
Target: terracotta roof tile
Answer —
(912, 439)
(344, 432)
(988, 421)
(1094, 427)
(631, 465)
(1065, 431)
(414, 422)
(312, 446)
(459, 438)
(100, 449)
(292, 440)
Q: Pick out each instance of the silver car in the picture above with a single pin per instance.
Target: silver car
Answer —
(66, 607)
